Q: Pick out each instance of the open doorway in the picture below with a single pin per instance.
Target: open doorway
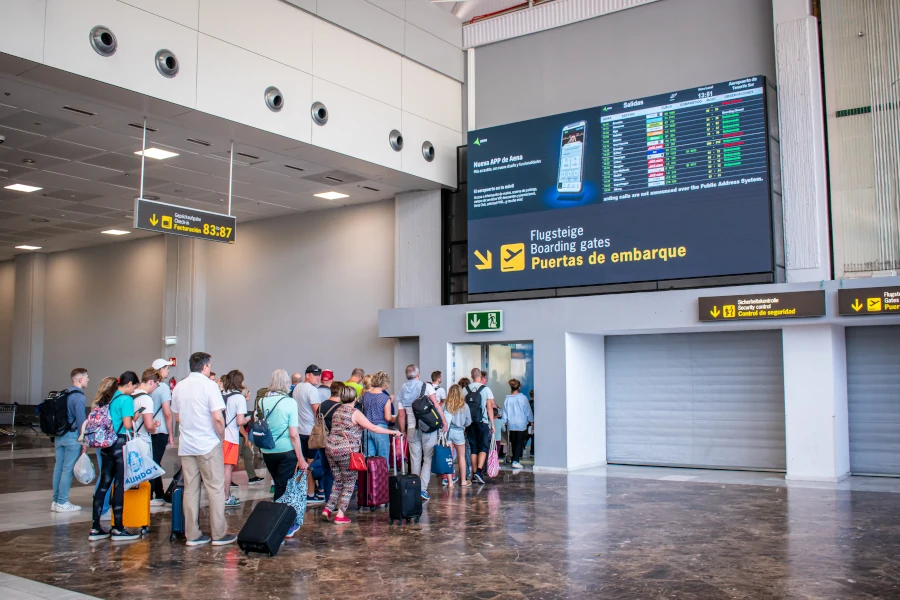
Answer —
(502, 362)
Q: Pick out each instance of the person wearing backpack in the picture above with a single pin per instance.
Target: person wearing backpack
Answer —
(423, 427)
(66, 442)
(147, 422)
(480, 400)
(165, 432)
(112, 417)
(235, 417)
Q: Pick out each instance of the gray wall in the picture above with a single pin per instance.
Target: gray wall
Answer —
(651, 49)
(300, 290)
(7, 294)
(104, 308)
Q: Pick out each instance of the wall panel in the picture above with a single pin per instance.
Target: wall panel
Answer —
(7, 296)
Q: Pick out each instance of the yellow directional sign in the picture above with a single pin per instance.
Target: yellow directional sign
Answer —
(861, 302)
(715, 312)
(154, 220)
(486, 263)
(179, 220)
(512, 257)
(729, 311)
(857, 305)
(873, 304)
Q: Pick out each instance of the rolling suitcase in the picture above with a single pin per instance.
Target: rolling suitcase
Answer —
(177, 514)
(372, 484)
(405, 494)
(136, 508)
(266, 527)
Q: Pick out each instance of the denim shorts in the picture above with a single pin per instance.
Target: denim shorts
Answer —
(456, 436)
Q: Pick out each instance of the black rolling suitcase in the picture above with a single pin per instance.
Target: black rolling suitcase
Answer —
(405, 493)
(266, 527)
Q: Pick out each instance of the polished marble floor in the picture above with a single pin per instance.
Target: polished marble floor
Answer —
(615, 532)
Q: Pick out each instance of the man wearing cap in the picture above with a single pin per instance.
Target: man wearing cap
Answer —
(162, 400)
(306, 394)
(325, 386)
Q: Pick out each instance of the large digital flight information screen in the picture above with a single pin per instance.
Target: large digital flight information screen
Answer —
(666, 187)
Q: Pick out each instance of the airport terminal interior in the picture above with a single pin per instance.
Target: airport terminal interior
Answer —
(473, 299)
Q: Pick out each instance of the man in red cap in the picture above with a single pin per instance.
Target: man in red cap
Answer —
(325, 387)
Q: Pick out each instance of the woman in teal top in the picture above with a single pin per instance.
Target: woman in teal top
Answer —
(280, 411)
(121, 412)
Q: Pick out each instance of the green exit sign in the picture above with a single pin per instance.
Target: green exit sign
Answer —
(484, 320)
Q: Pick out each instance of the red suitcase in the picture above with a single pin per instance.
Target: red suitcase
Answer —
(372, 485)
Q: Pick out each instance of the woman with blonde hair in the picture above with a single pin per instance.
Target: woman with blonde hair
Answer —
(459, 416)
(376, 405)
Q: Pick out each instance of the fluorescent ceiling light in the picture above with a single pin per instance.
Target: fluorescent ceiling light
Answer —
(115, 232)
(28, 247)
(21, 187)
(331, 195)
(157, 153)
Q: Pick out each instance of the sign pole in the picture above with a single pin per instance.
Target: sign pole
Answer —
(143, 158)
(230, 175)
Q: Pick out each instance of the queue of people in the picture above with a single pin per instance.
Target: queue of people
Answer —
(213, 418)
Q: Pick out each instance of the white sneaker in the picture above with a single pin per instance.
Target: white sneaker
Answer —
(157, 502)
(67, 507)
(53, 506)
(516, 465)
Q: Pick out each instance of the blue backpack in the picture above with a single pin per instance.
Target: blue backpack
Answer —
(260, 433)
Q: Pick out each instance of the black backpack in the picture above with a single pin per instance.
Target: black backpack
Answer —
(473, 401)
(54, 414)
(427, 418)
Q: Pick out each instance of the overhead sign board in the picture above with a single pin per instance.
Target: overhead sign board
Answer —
(178, 220)
(755, 307)
(664, 187)
(484, 320)
(863, 302)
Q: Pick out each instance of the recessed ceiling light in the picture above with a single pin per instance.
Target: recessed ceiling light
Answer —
(115, 232)
(156, 153)
(331, 195)
(28, 247)
(21, 187)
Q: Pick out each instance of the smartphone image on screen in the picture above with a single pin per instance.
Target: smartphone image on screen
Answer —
(571, 158)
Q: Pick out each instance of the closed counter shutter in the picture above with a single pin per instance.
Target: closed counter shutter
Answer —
(696, 399)
(873, 398)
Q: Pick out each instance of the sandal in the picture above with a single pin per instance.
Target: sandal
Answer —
(466, 484)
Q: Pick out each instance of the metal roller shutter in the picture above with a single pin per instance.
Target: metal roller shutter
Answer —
(696, 399)
(873, 398)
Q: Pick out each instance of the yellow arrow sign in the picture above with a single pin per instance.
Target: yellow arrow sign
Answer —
(715, 312)
(857, 306)
(485, 262)
(154, 220)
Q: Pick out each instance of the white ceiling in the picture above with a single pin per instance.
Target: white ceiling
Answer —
(467, 9)
(90, 176)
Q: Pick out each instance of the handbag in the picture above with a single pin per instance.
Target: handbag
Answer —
(442, 460)
(295, 495)
(318, 434)
(493, 462)
(139, 464)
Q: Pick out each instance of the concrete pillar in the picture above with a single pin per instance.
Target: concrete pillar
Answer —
(27, 365)
(417, 249)
(815, 403)
(585, 401)
(185, 302)
(801, 124)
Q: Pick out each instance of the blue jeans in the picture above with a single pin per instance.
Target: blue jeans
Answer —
(67, 452)
(379, 445)
(97, 485)
(327, 476)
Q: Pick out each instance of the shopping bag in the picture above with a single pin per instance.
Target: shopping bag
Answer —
(84, 469)
(442, 460)
(139, 465)
(295, 495)
(493, 462)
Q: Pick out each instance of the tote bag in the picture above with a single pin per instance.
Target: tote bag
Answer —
(493, 462)
(295, 495)
(139, 464)
(442, 461)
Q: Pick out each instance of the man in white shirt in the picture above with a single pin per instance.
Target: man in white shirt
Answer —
(440, 393)
(198, 405)
(421, 445)
(306, 393)
(145, 423)
(164, 436)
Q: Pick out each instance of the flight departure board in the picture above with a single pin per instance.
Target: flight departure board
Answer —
(664, 187)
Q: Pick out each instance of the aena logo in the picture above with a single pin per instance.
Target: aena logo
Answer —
(479, 141)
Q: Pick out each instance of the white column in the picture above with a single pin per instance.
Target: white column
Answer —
(27, 365)
(801, 123)
(417, 249)
(815, 403)
(585, 401)
(185, 302)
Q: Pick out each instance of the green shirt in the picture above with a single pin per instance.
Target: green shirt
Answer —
(356, 386)
(282, 416)
(121, 406)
